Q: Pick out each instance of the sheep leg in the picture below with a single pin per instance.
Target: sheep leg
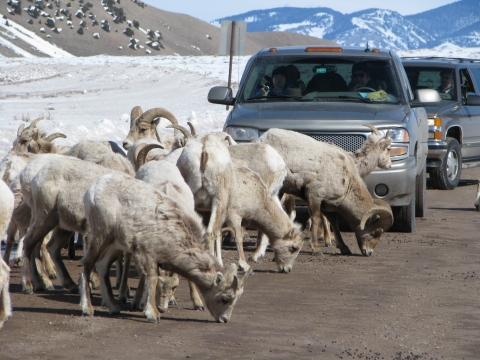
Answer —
(40, 226)
(18, 258)
(151, 281)
(47, 260)
(123, 289)
(89, 260)
(119, 270)
(242, 262)
(262, 244)
(71, 247)
(195, 296)
(11, 233)
(103, 266)
(44, 276)
(327, 234)
(315, 215)
(288, 202)
(59, 238)
(332, 217)
(137, 299)
(5, 304)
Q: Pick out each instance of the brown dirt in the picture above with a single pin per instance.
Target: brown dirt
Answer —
(417, 297)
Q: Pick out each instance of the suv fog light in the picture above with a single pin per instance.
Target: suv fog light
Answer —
(381, 190)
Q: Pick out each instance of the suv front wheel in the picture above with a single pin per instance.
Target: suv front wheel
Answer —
(447, 176)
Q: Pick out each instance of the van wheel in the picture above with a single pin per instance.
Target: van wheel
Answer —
(447, 176)
(421, 194)
(404, 217)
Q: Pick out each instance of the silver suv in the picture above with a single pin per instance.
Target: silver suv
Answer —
(454, 124)
(329, 93)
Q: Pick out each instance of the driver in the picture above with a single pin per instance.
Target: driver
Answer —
(361, 78)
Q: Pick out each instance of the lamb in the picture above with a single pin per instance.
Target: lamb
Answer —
(144, 125)
(125, 214)
(54, 194)
(328, 178)
(219, 185)
(6, 209)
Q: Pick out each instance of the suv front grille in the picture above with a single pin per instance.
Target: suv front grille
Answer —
(348, 142)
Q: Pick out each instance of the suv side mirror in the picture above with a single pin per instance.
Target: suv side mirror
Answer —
(426, 97)
(473, 100)
(221, 95)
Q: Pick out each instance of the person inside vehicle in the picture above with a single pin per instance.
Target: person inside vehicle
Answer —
(279, 83)
(361, 78)
(446, 82)
(325, 82)
(293, 78)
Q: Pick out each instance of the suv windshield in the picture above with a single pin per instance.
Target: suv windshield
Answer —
(437, 78)
(321, 78)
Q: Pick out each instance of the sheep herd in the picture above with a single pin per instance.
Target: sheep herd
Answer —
(151, 205)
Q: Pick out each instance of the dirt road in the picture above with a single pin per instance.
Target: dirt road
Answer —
(416, 297)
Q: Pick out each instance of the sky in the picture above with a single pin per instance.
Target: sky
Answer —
(208, 10)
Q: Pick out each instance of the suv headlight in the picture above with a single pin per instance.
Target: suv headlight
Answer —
(242, 133)
(400, 142)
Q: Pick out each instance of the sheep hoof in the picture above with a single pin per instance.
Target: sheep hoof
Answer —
(252, 260)
(28, 291)
(52, 276)
(346, 251)
(115, 311)
(199, 307)
(72, 289)
(50, 288)
(153, 320)
(318, 253)
(17, 261)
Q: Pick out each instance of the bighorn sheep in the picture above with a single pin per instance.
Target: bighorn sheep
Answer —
(6, 209)
(166, 177)
(127, 214)
(328, 179)
(375, 152)
(144, 125)
(54, 194)
(219, 185)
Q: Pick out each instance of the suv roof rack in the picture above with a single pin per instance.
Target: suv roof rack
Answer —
(441, 58)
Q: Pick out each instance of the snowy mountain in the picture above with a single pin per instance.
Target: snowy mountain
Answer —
(457, 23)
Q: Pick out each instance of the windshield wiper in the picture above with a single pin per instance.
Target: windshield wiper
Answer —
(283, 97)
(367, 100)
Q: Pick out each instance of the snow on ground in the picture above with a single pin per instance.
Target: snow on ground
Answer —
(91, 97)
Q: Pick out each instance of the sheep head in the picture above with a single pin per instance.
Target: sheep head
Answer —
(373, 224)
(26, 137)
(186, 134)
(145, 125)
(167, 283)
(225, 290)
(287, 250)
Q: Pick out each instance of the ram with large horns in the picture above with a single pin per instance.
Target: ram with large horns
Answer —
(143, 125)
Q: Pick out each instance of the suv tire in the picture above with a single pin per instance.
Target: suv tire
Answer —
(421, 194)
(447, 176)
(404, 217)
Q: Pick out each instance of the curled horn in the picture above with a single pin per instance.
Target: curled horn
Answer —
(141, 153)
(54, 136)
(150, 115)
(34, 123)
(229, 140)
(384, 213)
(192, 129)
(373, 128)
(135, 113)
(20, 129)
(185, 132)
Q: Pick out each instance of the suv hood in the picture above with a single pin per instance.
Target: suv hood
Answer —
(306, 116)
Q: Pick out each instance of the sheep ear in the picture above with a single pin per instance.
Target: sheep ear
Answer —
(218, 279)
(291, 233)
(235, 283)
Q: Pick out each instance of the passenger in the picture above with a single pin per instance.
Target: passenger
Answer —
(361, 78)
(293, 78)
(446, 83)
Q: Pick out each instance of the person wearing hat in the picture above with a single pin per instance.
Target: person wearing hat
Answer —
(446, 82)
(361, 78)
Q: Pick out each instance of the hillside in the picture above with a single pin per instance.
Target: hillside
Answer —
(127, 27)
